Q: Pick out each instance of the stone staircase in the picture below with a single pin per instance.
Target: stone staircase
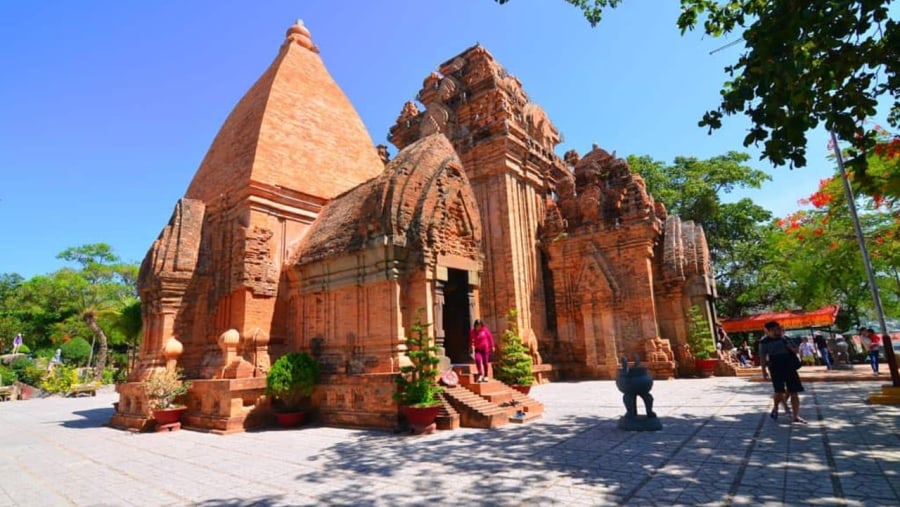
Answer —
(448, 417)
(487, 404)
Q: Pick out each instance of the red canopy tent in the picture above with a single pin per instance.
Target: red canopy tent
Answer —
(823, 317)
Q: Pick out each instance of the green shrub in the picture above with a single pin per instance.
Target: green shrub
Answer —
(7, 375)
(417, 382)
(76, 351)
(514, 367)
(700, 336)
(27, 371)
(44, 353)
(291, 379)
(61, 379)
(23, 349)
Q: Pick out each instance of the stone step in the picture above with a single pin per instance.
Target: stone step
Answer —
(448, 417)
(521, 416)
(475, 411)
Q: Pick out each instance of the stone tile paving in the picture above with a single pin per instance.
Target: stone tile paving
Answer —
(717, 447)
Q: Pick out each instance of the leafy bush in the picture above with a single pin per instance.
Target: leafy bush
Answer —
(291, 379)
(417, 383)
(61, 379)
(7, 375)
(514, 367)
(23, 349)
(700, 336)
(27, 371)
(76, 351)
(44, 353)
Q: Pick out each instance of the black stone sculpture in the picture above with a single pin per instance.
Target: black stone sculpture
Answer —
(634, 382)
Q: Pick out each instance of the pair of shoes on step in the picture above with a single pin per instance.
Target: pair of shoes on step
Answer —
(481, 379)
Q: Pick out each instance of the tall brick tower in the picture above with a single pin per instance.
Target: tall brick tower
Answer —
(293, 142)
(506, 144)
(209, 283)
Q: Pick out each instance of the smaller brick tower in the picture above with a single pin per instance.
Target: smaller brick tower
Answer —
(506, 143)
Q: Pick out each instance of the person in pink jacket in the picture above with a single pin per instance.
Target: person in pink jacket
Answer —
(481, 344)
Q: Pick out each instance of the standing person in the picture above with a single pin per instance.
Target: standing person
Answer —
(807, 351)
(874, 347)
(822, 345)
(17, 342)
(481, 344)
(776, 363)
(722, 337)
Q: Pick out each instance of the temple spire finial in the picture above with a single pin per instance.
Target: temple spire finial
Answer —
(299, 34)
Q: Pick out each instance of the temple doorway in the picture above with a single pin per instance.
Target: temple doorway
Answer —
(456, 316)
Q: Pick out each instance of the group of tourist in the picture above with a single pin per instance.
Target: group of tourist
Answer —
(778, 360)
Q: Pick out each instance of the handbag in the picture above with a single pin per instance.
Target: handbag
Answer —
(796, 363)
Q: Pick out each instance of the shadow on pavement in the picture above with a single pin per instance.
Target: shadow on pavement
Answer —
(259, 501)
(93, 418)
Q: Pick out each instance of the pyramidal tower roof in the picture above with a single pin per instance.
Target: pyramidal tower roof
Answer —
(293, 129)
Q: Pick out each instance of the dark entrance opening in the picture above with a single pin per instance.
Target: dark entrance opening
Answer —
(456, 316)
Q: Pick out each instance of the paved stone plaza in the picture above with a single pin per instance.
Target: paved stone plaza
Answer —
(717, 447)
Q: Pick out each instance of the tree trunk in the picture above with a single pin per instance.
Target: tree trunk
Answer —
(101, 337)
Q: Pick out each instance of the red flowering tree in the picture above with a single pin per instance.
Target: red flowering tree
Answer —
(822, 256)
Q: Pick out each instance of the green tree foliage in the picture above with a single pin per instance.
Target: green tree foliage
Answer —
(593, 9)
(7, 375)
(514, 367)
(700, 336)
(819, 250)
(99, 289)
(80, 301)
(76, 351)
(692, 189)
(804, 64)
(129, 323)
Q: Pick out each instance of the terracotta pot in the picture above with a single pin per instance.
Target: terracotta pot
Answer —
(420, 416)
(165, 416)
(706, 367)
(290, 419)
(522, 389)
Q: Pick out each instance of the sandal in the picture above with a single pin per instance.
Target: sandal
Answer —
(799, 420)
(774, 414)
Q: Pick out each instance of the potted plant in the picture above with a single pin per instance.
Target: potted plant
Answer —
(701, 341)
(514, 367)
(290, 382)
(164, 387)
(417, 389)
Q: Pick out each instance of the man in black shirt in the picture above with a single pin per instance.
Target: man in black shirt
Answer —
(775, 360)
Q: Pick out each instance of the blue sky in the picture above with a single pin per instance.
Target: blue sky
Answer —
(108, 107)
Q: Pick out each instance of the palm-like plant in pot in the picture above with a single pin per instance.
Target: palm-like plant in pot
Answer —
(700, 339)
(417, 389)
(515, 366)
(290, 382)
(164, 388)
